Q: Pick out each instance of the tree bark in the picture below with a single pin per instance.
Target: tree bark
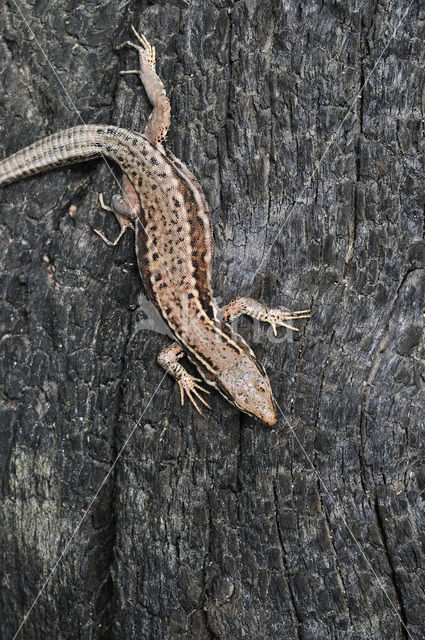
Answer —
(304, 123)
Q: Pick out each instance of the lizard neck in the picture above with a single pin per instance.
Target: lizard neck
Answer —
(212, 345)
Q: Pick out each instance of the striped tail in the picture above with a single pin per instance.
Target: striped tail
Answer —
(71, 145)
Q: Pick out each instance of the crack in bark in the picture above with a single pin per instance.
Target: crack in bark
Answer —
(208, 556)
(297, 620)
(226, 108)
(423, 225)
(105, 619)
(332, 546)
(374, 364)
(359, 134)
(319, 399)
(393, 574)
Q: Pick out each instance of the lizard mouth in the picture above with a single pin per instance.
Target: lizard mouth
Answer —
(266, 415)
(269, 417)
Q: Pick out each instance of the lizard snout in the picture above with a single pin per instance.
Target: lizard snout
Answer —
(249, 389)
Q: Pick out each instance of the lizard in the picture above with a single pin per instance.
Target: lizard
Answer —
(163, 202)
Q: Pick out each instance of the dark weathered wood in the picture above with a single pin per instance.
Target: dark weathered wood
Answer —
(213, 526)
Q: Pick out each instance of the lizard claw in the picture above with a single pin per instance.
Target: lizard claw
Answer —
(146, 46)
(145, 50)
(280, 317)
(294, 315)
(189, 385)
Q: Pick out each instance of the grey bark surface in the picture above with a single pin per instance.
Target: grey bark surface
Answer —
(304, 123)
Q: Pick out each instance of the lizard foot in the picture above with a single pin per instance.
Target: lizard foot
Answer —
(123, 221)
(146, 53)
(279, 317)
(189, 385)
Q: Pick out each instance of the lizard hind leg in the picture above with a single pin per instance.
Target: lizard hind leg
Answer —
(158, 122)
(125, 207)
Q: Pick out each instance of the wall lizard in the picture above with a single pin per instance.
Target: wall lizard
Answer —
(164, 204)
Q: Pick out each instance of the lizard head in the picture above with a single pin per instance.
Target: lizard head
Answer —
(246, 385)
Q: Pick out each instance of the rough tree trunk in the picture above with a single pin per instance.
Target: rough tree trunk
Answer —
(304, 123)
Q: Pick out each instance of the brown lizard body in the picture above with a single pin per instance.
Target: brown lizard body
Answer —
(165, 204)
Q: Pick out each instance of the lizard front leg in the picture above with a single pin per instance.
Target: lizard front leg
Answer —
(168, 359)
(159, 120)
(275, 317)
(125, 207)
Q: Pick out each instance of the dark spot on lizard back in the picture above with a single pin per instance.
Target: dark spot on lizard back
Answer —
(188, 197)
